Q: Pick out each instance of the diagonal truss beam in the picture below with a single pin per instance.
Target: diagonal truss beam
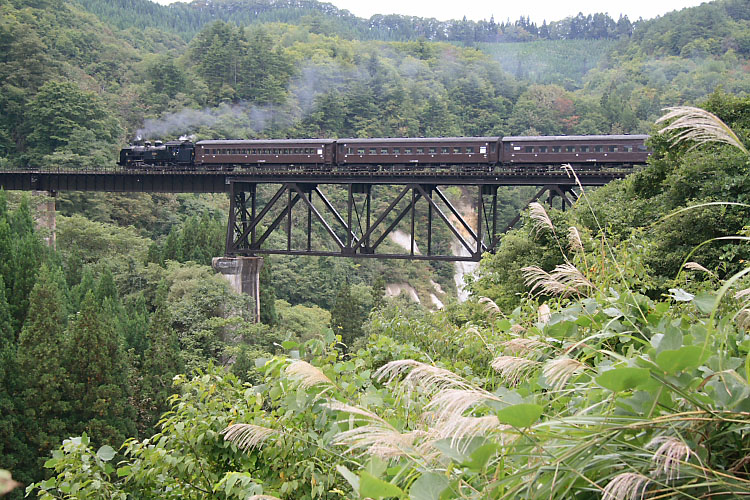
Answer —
(363, 237)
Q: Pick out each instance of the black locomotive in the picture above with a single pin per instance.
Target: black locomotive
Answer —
(180, 154)
(517, 152)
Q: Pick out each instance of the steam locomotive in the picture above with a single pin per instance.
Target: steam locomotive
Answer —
(582, 151)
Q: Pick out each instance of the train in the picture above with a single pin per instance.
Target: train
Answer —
(403, 154)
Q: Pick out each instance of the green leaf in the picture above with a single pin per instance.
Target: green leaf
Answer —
(428, 487)
(123, 471)
(350, 477)
(623, 379)
(106, 453)
(677, 360)
(370, 486)
(704, 302)
(481, 456)
(520, 415)
(289, 344)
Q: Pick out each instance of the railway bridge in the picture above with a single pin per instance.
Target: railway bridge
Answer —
(357, 210)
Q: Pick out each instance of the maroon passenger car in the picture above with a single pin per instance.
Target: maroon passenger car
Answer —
(575, 149)
(418, 151)
(259, 152)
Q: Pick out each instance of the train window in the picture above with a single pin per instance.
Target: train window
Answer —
(493, 148)
(456, 151)
(420, 151)
(542, 149)
(584, 149)
(383, 151)
(432, 151)
(570, 149)
(556, 149)
(285, 151)
(396, 151)
(529, 149)
(349, 151)
(445, 151)
(253, 151)
(407, 151)
(642, 147)
(373, 151)
(598, 149)
(627, 149)
(360, 151)
(612, 149)
(482, 149)
(470, 149)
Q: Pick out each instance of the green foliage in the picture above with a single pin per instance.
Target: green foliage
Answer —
(62, 118)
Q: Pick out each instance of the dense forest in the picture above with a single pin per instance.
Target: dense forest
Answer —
(603, 351)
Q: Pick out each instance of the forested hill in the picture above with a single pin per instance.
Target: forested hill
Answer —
(186, 19)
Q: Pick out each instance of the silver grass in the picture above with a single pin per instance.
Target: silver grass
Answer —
(419, 374)
(626, 486)
(455, 402)
(557, 372)
(694, 266)
(517, 329)
(306, 374)
(490, 307)
(667, 457)
(512, 369)
(687, 123)
(539, 215)
(742, 293)
(544, 313)
(564, 280)
(743, 319)
(247, 436)
(522, 346)
(378, 437)
(459, 427)
(574, 239)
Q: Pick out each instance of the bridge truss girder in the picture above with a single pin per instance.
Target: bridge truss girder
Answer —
(356, 231)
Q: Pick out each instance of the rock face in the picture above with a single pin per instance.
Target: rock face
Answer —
(243, 275)
(396, 289)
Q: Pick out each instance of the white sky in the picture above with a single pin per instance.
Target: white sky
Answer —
(537, 10)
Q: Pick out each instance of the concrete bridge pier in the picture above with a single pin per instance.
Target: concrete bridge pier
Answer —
(46, 219)
(243, 274)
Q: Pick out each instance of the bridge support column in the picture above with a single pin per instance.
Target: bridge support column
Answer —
(243, 275)
(46, 216)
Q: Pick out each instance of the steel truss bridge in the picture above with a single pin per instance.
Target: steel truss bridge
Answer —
(354, 230)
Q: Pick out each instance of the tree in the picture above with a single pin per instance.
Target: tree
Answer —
(13, 449)
(161, 362)
(98, 375)
(346, 317)
(64, 118)
(41, 365)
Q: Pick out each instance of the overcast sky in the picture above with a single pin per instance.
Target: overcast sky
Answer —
(537, 10)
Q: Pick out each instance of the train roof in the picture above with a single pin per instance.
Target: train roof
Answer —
(228, 142)
(532, 138)
(416, 139)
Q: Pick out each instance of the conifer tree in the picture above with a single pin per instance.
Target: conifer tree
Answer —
(98, 375)
(40, 363)
(268, 315)
(161, 362)
(12, 447)
(346, 318)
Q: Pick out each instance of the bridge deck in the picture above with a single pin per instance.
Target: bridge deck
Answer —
(162, 181)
